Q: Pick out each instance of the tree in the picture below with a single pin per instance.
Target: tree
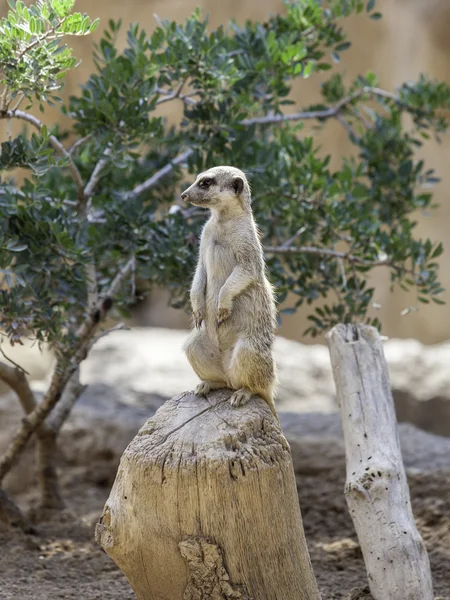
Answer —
(91, 217)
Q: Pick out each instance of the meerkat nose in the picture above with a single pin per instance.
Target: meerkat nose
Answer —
(183, 196)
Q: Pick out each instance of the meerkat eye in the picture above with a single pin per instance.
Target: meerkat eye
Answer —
(205, 182)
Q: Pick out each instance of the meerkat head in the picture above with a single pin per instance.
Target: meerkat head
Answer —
(221, 189)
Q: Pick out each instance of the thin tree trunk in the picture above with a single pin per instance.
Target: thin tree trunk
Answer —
(205, 506)
(11, 514)
(376, 489)
(16, 378)
(47, 447)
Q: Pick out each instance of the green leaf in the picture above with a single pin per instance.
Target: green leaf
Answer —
(16, 247)
(307, 69)
(94, 25)
(343, 46)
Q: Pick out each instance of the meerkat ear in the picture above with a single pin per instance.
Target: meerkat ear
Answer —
(238, 185)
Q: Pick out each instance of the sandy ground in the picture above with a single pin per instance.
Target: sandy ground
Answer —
(61, 559)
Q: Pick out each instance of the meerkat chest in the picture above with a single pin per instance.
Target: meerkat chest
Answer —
(220, 259)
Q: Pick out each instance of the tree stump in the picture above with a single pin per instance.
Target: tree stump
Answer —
(376, 488)
(205, 506)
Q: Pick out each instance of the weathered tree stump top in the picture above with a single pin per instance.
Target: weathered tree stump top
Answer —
(210, 428)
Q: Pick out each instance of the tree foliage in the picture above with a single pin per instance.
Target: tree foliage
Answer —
(111, 199)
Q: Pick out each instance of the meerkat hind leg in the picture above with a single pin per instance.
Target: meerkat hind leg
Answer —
(241, 397)
(251, 373)
(205, 360)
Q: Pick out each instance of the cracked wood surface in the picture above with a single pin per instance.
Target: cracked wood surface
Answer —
(201, 475)
(376, 489)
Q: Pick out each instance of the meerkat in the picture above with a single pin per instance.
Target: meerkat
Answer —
(232, 300)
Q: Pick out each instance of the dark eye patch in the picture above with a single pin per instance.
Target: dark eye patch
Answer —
(204, 183)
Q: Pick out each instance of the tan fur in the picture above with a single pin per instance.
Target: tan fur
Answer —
(232, 300)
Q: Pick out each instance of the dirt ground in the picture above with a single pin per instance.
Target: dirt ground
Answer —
(61, 559)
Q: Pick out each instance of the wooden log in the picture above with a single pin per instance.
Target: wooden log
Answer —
(376, 489)
(205, 506)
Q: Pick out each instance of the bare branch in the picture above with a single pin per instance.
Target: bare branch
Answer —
(299, 232)
(84, 210)
(12, 362)
(72, 392)
(92, 290)
(154, 179)
(325, 252)
(79, 143)
(119, 278)
(343, 275)
(167, 96)
(118, 327)
(3, 101)
(60, 378)
(95, 177)
(16, 379)
(326, 113)
(186, 98)
(19, 101)
(346, 125)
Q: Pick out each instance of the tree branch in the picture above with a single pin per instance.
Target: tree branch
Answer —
(325, 252)
(79, 143)
(19, 101)
(118, 327)
(16, 379)
(3, 102)
(186, 98)
(154, 179)
(119, 278)
(72, 392)
(92, 290)
(95, 176)
(346, 125)
(326, 113)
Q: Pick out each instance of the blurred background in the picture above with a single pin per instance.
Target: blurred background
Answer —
(411, 38)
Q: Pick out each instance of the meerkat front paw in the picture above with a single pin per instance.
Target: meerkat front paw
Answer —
(205, 387)
(222, 315)
(199, 317)
(240, 397)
